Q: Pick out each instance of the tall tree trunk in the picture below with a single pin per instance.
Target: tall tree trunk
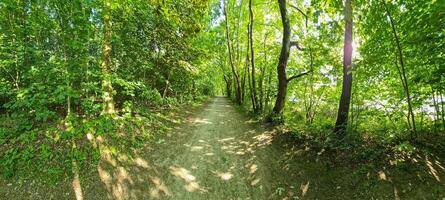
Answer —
(262, 75)
(403, 73)
(282, 62)
(252, 60)
(108, 107)
(343, 108)
(243, 83)
(268, 91)
(237, 82)
(249, 79)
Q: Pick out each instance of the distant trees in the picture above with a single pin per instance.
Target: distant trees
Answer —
(231, 59)
(88, 58)
(387, 53)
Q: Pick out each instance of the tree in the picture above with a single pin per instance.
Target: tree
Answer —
(345, 99)
(286, 45)
(401, 70)
(255, 103)
(108, 102)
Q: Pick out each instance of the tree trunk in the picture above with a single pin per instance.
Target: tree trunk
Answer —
(436, 108)
(343, 108)
(105, 66)
(443, 111)
(237, 82)
(407, 92)
(262, 75)
(282, 62)
(252, 60)
(268, 91)
(228, 81)
(243, 83)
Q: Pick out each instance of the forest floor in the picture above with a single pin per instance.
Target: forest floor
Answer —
(218, 153)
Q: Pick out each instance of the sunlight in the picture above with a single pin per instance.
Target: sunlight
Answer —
(225, 176)
(159, 187)
(396, 194)
(201, 121)
(182, 173)
(141, 163)
(197, 148)
(355, 46)
(255, 181)
(382, 175)
(263, 139)
(431, 171)
(304, 188)
(192, 186)
(253, 169)
(76, 183)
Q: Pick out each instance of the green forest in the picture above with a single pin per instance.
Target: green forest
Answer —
(222, 99)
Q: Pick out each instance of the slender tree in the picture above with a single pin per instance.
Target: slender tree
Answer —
(252, 60)
(232, 65)
(402, 73)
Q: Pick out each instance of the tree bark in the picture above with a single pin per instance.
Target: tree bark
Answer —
(105, 66)
(343, 108)
(282, 62)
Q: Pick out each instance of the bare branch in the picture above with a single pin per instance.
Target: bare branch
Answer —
(300, 11)
(298, 76)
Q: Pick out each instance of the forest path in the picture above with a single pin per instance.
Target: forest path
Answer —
(218, 154)
(215, 153)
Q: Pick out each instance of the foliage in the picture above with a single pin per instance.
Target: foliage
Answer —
(54, 87)
(51, 95)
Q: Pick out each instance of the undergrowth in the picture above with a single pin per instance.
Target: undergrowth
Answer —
(48, 149)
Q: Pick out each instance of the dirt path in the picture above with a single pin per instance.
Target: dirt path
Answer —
(218, 155)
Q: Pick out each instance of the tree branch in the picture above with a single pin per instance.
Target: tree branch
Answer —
(298, 75)
(295, 44)
(300, 11)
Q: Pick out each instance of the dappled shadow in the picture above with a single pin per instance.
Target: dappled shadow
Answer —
(321, 171)
(211, 159)
(219, 153)
(128, 177)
